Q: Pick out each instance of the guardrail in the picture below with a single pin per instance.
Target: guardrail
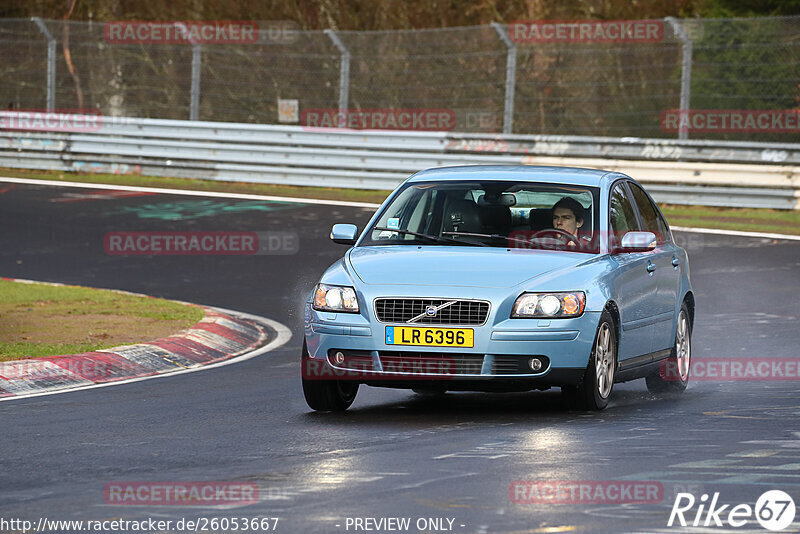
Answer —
(681, 172)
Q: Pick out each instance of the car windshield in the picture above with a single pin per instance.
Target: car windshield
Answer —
(514, 215)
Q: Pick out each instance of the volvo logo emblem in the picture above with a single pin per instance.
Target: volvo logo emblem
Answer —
(431, 311)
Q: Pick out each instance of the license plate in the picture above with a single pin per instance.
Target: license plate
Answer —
(430, 337)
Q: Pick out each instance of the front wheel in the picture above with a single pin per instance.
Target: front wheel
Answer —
(324, 395)
(595, 389)
(673, 373)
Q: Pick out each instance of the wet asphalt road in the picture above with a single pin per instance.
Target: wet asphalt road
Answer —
(393, 454)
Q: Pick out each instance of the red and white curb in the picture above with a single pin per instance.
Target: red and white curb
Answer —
(222, 337)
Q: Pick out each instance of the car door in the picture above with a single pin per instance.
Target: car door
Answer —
(665, 258)
(635, 284)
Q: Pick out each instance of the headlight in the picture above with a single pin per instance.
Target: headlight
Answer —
(335, 298)
(549, 305)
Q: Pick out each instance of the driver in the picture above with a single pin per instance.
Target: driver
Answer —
(568, 217)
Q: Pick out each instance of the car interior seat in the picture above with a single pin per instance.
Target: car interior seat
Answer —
(541, 219)
(461, 215)
(495, 219)
(586, 227)
(495, 215)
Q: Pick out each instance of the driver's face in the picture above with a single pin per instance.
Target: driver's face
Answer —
(564, 219)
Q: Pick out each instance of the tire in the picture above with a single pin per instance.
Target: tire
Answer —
(595, 388)
(328, 395)
(673, 374)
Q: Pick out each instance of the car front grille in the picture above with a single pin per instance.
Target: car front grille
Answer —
(403, 310)
(425, 363)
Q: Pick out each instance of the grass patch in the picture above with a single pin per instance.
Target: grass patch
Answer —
(742, 219)
(45, 320)
(20, 351)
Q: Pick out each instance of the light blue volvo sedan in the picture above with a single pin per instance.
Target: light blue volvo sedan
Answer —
(503, 278)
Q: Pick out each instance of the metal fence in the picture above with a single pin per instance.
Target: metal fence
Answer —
(490, 83)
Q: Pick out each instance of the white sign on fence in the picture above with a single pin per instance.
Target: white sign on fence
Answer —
(288, 111)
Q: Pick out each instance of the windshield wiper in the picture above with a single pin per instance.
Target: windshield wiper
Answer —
(490, 236)
(579, 247)
(435, 238)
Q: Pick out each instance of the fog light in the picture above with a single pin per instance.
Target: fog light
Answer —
(338, 358)
(535, 364)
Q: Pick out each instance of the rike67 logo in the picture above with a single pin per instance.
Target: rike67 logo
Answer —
(774, 510)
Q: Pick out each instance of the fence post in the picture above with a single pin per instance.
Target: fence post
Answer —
(686, 75)
(51, 63)
(344, 77)
(194, 103)
(194, 90)
(511, 77)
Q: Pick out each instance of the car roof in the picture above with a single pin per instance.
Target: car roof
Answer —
(521, 173)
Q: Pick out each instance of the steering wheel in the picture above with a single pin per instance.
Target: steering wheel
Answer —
(556, 233)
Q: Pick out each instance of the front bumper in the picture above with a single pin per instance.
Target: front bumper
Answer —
(499, 359)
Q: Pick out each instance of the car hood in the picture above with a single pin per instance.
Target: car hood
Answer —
(457, 266)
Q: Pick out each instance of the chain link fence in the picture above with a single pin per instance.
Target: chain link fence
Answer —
(488, 82)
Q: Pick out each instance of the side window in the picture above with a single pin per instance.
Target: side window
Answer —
(650, 217)
(621, 215)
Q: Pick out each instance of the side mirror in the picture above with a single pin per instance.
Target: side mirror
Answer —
(637, 242)
(344, 234)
